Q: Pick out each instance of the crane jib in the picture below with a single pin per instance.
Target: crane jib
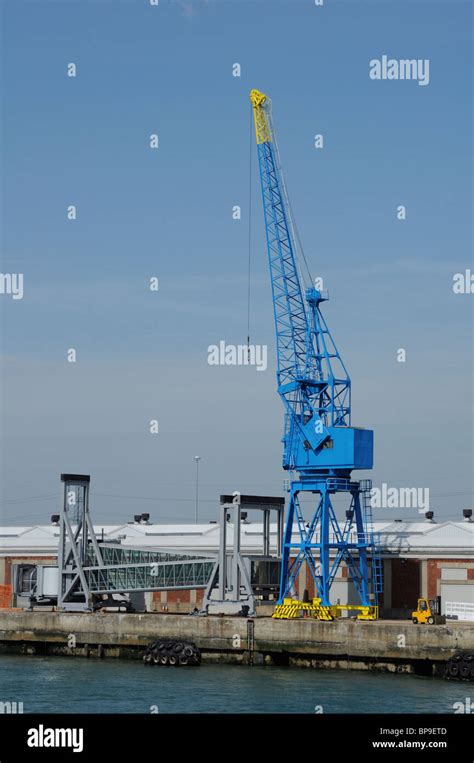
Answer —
(312, 380)
(291, 321)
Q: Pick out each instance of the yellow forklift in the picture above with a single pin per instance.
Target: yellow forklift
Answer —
(428, 611)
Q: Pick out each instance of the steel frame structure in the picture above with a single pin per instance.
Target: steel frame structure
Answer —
(230, 585)
(88, 567)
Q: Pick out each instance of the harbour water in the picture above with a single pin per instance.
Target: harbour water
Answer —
(74, 685)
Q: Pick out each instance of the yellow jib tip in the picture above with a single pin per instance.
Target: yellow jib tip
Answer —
(262, 126)
(257, 98)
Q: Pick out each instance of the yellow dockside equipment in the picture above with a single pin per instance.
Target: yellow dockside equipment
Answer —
(291, 609)
(428, 611)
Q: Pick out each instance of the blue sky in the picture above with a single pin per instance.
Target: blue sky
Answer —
(168, 213)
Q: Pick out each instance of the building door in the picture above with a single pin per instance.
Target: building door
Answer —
(405, 584)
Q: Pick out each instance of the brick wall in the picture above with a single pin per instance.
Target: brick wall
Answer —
(434, 572)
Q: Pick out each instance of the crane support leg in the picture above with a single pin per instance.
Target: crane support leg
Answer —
(286, 550)
(362, 540)
(323, 544)
(324, 548)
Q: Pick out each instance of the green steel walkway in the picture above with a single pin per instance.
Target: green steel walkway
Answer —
(127, 569)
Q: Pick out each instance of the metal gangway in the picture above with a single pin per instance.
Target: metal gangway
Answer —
(127, 569)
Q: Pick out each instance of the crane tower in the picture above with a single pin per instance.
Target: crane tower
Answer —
(320, 446)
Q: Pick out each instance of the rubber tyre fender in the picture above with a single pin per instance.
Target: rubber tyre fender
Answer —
(178, 647)
(464, 669)
(173, 660)
(164, 659)
(453, 669)
(188, 651)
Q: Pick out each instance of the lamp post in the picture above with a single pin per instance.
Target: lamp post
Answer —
(197, 460)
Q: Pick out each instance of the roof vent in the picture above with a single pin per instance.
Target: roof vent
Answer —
(429, 516)
(55, 519)
(467, 514)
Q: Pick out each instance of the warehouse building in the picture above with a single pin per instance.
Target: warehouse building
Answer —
(419, 559)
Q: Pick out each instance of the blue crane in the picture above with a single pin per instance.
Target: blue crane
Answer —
(320, 446)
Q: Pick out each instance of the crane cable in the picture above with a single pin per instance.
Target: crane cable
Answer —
(299, 251)
(249, 233)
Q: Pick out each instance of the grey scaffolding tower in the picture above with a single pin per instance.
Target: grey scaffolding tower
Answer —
(75, 531)
(239, 580)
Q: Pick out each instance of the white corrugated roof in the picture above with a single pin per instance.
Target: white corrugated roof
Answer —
(396, 537)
